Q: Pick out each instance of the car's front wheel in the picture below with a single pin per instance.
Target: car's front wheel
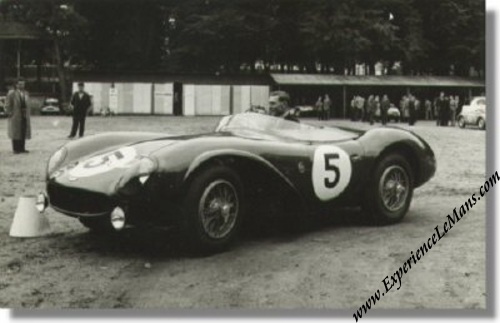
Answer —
(461, 122)
(389, 193)
(213, 209)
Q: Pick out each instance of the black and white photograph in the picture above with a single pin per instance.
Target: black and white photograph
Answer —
(325, 156)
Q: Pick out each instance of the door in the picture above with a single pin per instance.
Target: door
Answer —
(177, 99)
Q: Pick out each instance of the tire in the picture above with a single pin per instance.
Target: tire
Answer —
(461, 122)
(101, 224)
(213, 210)
(481, 123)
(381, 211)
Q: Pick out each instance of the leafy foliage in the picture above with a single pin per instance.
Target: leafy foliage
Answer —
(220, 36)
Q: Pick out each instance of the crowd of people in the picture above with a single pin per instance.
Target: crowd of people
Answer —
(444, 109)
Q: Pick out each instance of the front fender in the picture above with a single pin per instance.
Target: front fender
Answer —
(100, 142)
(226, 153)
(222, 155)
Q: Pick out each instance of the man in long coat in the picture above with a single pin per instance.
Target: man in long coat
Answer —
(18, 110)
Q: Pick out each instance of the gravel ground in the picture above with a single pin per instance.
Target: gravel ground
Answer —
(338, 265)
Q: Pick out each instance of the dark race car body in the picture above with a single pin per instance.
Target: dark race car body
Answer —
(158, 179)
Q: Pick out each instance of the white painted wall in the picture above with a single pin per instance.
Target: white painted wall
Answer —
(189, 100)
(164, 98)
(197, 99)
(141, 96)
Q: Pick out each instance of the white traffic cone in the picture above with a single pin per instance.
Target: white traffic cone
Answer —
(28, 222)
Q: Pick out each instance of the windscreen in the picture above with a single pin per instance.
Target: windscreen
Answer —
(280, 127)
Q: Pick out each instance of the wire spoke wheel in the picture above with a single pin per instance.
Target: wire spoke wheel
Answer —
(394, 187)
(218, 208)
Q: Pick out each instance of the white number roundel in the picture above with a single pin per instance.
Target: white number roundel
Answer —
(331, 172)
(104, 163)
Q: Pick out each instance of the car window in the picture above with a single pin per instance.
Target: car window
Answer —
(481, 102)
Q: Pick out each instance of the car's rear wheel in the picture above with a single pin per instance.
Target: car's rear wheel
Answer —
(461, 122)
(481, 124)
(389, 193)
(213, 209)
(98, 224)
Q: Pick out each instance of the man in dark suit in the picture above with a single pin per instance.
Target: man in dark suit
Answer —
(18, 110)
(412, 109)
(80, 101)
(385, 104)
(443, 106)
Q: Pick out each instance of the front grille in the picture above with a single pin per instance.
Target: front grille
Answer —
(78, 201)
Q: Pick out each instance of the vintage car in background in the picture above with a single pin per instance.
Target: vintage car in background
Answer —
(50, 106)
(206, 184)
(257, 109)
(3, 110)
(393, 113)
(307, 111)
(473, 114)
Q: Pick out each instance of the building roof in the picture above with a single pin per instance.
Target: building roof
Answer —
(16, 30)
(371, 80)
(159, 77)
(279, 79)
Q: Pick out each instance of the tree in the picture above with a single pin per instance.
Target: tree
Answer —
(58, 21)
(455, 30)
(344, 32)
(220, 36)
(123, 34)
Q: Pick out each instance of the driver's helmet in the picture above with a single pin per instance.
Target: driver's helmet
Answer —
(278, 103)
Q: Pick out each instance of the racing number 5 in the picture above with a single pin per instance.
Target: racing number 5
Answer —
(333, 168)
(110, 158)
(331, 171)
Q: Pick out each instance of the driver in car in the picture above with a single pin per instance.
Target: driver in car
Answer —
(278, 107)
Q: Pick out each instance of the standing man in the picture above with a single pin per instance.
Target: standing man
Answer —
(437, 113)
(360, 104)
(370, 108)
(385, 104)
(353, 108)
(412, 110)
(443, 106)
(18, 110)
(327, 105)
(428, 110)
(80, 101)
(319, 108)
(453, 110)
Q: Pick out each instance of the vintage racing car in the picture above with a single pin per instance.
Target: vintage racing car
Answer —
(207, 183)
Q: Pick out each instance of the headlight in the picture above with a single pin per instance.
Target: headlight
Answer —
(146, 166)
(142, 168)
(56, 160)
